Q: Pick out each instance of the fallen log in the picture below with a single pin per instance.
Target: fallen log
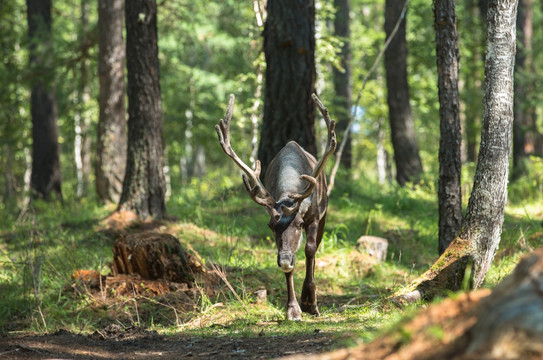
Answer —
(507, 324)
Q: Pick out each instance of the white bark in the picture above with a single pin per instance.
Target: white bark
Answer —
(484, 217)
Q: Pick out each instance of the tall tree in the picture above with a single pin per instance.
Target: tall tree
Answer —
(472, 76)
(82, 141)
(524, 124)
(14, 123)
(289, 48)
(342, 77)
(483, 7)
(450, 166)
(46, 177)
(479, 236)
(111, 139)
(404, 142)
(144, 183)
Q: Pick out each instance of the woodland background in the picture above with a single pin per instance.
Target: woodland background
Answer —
(206, 51)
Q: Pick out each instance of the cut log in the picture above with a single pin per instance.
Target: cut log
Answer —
(507, 324)
(154, 256)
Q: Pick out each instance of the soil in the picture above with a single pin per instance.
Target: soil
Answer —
(114, 342)
(117, 342)
(441, 331)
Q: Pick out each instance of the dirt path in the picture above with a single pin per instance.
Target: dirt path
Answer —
(115, 343)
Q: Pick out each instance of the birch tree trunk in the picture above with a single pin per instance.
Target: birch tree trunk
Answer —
(479, 236)
(484, 217)
(82, 140)
(259, 8)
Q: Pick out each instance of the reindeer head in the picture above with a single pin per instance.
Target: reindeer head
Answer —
(287, 229)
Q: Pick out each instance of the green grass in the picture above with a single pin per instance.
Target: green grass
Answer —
(40, 251)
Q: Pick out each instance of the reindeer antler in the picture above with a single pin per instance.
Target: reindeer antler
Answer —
(331, 144)
(251, 180)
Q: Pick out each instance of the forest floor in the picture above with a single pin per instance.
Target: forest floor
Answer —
(60, 299)
(432, 334)
(114, 342)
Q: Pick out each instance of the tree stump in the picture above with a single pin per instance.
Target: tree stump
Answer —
(154, 256)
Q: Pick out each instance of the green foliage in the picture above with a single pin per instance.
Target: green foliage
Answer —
(208, 50)
(530, 184)
(39, 252)
(14, 107)
(37, 256)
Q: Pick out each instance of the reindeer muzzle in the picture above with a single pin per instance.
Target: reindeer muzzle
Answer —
(285, 260)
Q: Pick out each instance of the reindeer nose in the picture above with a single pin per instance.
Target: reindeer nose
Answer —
(285, 260)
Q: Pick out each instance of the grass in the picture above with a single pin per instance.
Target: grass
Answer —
(39, 252)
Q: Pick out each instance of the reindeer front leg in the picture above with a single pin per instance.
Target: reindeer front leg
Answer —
(309, 290)
(293, 309)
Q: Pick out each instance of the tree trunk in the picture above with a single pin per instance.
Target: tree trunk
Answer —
(523, 126)
(484, 217)
(473, 69)
(342, 78)
(144, 184)
(259, 8)
(483, 7)
(479, 237)
(450, 166)
(82, 141)
(406, 150)
(111, 139)
(45, 176)
(199, 161)
(289, 48)
(9, 178)
(383, 173)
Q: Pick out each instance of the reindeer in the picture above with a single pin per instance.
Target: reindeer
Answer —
(295, 198)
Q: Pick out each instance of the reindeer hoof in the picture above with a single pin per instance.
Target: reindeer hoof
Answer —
(311, 309)
(294, 313)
